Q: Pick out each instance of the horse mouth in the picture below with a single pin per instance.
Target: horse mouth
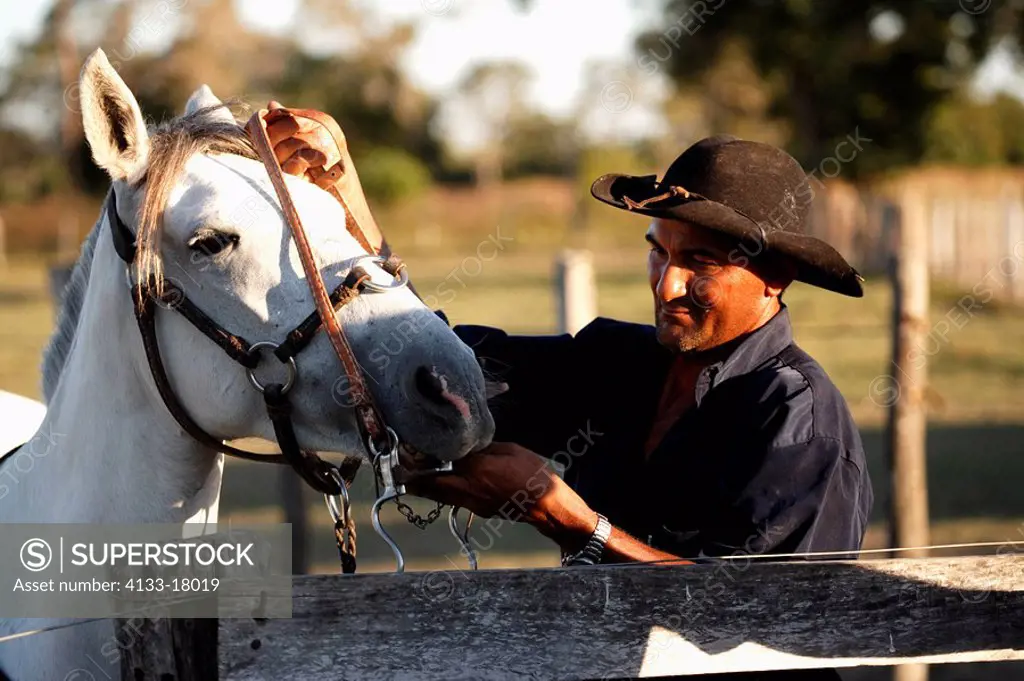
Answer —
(416, 461)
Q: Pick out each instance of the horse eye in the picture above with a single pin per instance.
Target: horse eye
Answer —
(211, 243)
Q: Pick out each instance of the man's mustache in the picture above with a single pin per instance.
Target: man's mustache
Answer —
(688, 307)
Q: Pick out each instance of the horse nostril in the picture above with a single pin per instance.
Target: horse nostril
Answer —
(430, 385)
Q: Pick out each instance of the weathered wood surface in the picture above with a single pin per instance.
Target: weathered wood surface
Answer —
(608, 622)
(161, 648)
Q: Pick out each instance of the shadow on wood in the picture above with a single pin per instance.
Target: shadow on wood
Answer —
(622, 621)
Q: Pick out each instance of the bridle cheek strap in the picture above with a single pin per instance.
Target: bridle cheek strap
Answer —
(315, 471)
(370, 420)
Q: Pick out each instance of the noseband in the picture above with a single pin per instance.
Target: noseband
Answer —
(380, 441)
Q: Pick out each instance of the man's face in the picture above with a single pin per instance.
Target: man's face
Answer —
(701, 298)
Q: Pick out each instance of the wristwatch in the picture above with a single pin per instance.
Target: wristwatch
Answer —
(592, 553)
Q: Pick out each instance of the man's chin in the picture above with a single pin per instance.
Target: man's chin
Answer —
(677, 339)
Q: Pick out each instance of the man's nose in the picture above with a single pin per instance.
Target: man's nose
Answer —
(674, 283)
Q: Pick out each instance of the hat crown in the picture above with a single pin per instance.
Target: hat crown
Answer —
(746, 190)
(759, 181)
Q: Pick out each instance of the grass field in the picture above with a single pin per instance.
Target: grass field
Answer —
(976, 462)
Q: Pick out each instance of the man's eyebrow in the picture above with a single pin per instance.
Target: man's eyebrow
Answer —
(707, 252)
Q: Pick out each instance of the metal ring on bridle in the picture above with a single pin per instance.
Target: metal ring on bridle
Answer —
(293, 370)
(391, 446)
(401, 278)
(338, 512)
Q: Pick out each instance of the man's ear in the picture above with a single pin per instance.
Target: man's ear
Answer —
(778, 274)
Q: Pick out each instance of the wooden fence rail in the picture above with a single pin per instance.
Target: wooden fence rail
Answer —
(627, 621)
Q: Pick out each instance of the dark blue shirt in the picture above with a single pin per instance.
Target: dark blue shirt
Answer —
(768, 460)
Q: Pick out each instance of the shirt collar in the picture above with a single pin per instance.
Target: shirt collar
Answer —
(750, 352)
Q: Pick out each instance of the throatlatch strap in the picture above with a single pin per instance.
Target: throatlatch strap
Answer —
(145, 316)
(314, 470)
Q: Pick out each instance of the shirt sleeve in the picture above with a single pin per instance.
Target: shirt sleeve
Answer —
(803, 498)
(540, 409)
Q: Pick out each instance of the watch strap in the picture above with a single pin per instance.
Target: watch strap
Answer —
(593, 551)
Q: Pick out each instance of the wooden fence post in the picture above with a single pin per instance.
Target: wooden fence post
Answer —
(163, 648)
(3, 242)
(575, 290)
(1014, 212)
(907, 426)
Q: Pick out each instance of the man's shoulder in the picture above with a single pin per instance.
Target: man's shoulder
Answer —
(796, 389)
(606, 329)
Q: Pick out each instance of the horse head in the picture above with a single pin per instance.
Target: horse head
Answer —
(205, 218)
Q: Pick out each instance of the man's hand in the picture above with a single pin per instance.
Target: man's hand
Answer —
(512, 482)
(300, 144)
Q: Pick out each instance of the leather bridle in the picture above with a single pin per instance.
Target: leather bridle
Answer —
(319, 474)
(380, 441)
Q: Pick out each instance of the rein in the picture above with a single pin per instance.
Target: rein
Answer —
(370, 421)
(381, 441)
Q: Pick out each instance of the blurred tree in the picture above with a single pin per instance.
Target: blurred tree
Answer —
(26, 170)
(373, 103)
(536, 144)
(832, 69)
(494, 92)
(962, 130)
(165, 50)
(390, 175)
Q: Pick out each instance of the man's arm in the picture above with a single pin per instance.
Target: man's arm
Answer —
(512, 482)
(622, 548)
(804, 498)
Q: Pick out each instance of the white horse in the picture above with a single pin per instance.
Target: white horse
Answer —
(108, 451)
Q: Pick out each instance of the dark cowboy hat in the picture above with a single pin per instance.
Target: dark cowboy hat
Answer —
(753, 192)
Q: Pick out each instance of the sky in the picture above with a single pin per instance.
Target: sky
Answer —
(555, 39)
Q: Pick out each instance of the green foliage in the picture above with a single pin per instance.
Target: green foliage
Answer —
(26, 170)
(373, 103)
(597, 161)
(834, 68)
(538, 145)
(362, 87)
(964, 131)
(390, 175)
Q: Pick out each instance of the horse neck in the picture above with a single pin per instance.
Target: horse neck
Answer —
(108, 450)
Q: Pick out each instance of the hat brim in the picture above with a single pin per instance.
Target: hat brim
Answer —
(817, 263)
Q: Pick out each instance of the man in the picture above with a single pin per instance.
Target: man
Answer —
(709, 433)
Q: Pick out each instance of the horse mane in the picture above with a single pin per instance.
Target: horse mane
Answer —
(59, 347)
(172, 144)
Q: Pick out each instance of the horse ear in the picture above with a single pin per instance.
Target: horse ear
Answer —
(112, 120)
(204, 98)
